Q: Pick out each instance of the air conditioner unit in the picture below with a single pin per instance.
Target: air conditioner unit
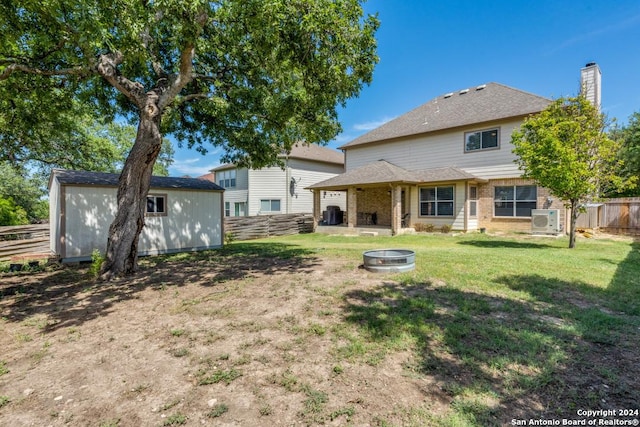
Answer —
(545, 221)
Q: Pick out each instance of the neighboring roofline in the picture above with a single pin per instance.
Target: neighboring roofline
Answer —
(302, 153)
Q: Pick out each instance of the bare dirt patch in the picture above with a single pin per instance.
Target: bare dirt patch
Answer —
(232, 341)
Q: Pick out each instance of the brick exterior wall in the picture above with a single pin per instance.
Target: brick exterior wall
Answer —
(378, 201)
(485, 206)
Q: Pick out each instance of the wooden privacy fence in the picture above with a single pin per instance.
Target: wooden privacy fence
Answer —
(24, 241)
(620, 216)
(257, 227)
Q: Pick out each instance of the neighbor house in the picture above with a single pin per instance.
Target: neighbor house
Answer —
(182, 214)
(276, 190)
(449, 163)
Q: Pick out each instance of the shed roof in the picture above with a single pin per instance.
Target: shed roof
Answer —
(480, 104)
(383, 172)
(71, 177)
(305, 151)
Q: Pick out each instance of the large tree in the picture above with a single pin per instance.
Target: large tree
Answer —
(251, 76)
(565, 148)
(629, 138)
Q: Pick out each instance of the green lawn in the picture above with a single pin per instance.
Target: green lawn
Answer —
(506, 323)
(487, 330)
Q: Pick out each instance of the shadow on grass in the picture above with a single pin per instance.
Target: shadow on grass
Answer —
(70, 296)
(500, 358)
(507, 244)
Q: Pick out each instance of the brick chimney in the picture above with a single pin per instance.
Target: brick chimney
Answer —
(590, 83)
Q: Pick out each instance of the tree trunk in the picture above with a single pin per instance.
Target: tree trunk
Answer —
(121, 256)
(572, 224)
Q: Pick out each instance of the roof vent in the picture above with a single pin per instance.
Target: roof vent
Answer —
(480, 87)
(463, 91)
(448, 95)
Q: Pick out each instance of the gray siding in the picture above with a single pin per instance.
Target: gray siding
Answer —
(267, 183)
(307, 173)
(443, 149)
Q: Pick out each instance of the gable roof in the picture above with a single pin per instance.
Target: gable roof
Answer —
(304, 151)
(383, 172)
(480, 104)
(71, 177)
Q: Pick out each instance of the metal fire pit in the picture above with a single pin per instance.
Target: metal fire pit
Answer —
(389, 260)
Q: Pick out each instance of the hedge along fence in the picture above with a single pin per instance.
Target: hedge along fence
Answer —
(261, 226)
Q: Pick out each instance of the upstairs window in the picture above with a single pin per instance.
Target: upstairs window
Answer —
(481, 140)
(226, 179)
(156, 204)
(515, 200)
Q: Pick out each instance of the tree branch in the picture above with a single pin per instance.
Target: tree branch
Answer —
(108, 68)
(180, 80)
(73, 71)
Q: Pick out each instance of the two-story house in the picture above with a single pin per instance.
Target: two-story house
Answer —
(447, 162)
(276, 190)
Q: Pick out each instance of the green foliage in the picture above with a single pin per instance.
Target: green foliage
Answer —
(10, 214)
(96, 262)
(175, 420)
(264, 75)
(565, 149)
(4, 400)
(629, 155)
(218, 410)
(25, 195)
(229, 238)
(226, 376)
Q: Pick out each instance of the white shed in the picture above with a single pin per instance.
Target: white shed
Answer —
(183, 214)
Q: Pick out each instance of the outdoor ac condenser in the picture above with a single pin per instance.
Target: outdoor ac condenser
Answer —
(545, 221)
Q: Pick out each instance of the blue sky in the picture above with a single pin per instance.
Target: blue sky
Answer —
(429, 48)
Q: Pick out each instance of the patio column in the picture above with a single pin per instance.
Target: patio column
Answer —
(317, 208)
(352, 207)
(396, 209)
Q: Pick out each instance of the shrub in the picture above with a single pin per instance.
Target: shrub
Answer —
(445, 228)
(96, 262)
(424, 227)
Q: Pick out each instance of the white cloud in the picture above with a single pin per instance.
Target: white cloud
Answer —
(619, 26)
(193, 167)
(372, 125)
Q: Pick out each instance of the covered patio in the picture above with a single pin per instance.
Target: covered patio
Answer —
(381, 196)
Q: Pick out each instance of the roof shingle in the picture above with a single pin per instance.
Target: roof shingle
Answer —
(71, 177)
(480, 104)
(383, 172)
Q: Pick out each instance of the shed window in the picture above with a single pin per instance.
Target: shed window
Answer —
(481, 140)
(515, 200)
(436, 201)
(156, 204)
